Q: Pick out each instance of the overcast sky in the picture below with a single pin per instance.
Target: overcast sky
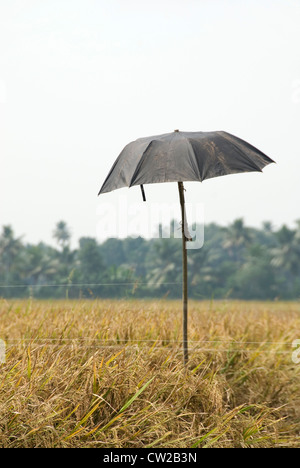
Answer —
(79, 79)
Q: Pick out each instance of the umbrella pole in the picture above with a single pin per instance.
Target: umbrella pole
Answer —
(184, 275)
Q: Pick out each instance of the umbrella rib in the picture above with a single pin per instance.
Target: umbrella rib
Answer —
(109, 174)
(267, 159)
(132, 180)
(194, 159)
(251, 162)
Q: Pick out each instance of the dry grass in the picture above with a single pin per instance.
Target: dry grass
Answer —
(110, 374)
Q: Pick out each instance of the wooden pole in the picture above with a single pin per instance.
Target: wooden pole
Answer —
(184, 274)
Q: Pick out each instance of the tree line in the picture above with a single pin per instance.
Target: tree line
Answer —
(236, 261)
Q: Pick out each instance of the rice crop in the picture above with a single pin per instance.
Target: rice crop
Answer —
(109, 374)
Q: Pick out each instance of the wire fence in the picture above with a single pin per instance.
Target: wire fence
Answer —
(176, 350)
(82, 285)
(159, 344)
(105, 290)
(141, 340)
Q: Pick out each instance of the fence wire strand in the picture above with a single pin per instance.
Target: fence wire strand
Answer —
(140, 340)
(165, 348)
(70, 285)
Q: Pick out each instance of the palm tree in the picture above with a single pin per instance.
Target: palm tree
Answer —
(256, 278)
(91, 268)
(10, 248)
(237, 237)
(62, 234)
(287, 254)
(267, 226)
(42, 265)
(163, 265)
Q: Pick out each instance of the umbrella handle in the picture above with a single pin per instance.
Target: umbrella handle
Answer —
(143, 192)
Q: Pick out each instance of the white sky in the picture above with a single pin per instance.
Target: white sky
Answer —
(79, 79)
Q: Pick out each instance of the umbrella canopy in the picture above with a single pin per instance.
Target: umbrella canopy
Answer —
(183, 156)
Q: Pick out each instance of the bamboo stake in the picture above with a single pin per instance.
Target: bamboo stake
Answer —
(185, 237)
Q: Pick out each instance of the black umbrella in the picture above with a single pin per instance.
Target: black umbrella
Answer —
(179, 157)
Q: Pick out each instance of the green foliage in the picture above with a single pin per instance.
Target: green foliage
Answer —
(236, 261)
(62, 234)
